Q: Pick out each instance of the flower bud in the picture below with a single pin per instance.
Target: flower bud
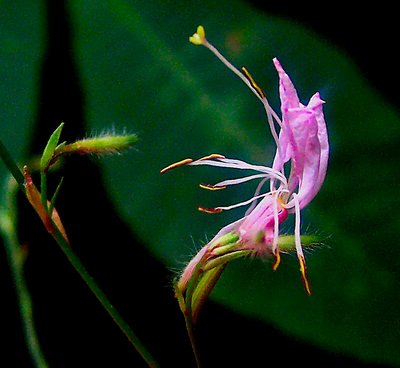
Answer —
(98, 145)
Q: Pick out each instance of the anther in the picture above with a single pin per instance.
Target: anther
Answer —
(277, 259)
(176, 164)
(209, 210)
(211, 187)
(304, 275)
(253, 83)
(211, 157)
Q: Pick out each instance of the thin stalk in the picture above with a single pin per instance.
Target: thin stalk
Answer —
(43, 190)
(190, 332)
(15, 257)
(194, 280)
(102, 298)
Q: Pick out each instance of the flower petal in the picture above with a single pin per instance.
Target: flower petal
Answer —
(303, 140)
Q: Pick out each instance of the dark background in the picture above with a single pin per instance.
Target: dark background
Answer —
(73, 328)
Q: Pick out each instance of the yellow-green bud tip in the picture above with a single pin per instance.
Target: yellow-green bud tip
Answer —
(199, 37)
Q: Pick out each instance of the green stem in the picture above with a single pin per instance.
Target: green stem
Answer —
(15, 257)
(187, 313)
(194, 280)
(102, 298)
(43, 190)
(190, 331)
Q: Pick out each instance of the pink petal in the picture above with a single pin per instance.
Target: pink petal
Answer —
(287, 91)
(303, 140)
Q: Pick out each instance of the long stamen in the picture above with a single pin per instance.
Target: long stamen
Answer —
(300, 255)
(226, 183)
(215, 51)
(268, 109)
(257, 192)
(236, 164)
(246, 77)
(275, 250)
(250, 82)
(227, 208)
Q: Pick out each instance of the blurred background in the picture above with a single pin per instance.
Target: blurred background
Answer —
(127, 66)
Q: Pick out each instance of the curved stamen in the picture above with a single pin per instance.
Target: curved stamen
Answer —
(238, 164)
(215, 51)
(299, 249)
(257, 192)
(275, 249)
(228, 182)
(240, 204)
(246, 77)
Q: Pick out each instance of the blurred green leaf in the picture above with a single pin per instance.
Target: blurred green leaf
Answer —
(139, 72)
(21, 53)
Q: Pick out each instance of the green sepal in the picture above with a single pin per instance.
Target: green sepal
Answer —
(225, 258)
(204, 289)
(50, 148)
(229, 238)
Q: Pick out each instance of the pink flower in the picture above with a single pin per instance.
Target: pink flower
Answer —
(302, 144)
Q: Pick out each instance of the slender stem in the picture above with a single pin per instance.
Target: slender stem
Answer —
(194, 280)
(93, 286)
(186, 310)
(15, 256)
(190, 331)
(43, 190)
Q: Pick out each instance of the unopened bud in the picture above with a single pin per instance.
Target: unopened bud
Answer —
(98, 145)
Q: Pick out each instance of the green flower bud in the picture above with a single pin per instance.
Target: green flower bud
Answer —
(98, 145)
